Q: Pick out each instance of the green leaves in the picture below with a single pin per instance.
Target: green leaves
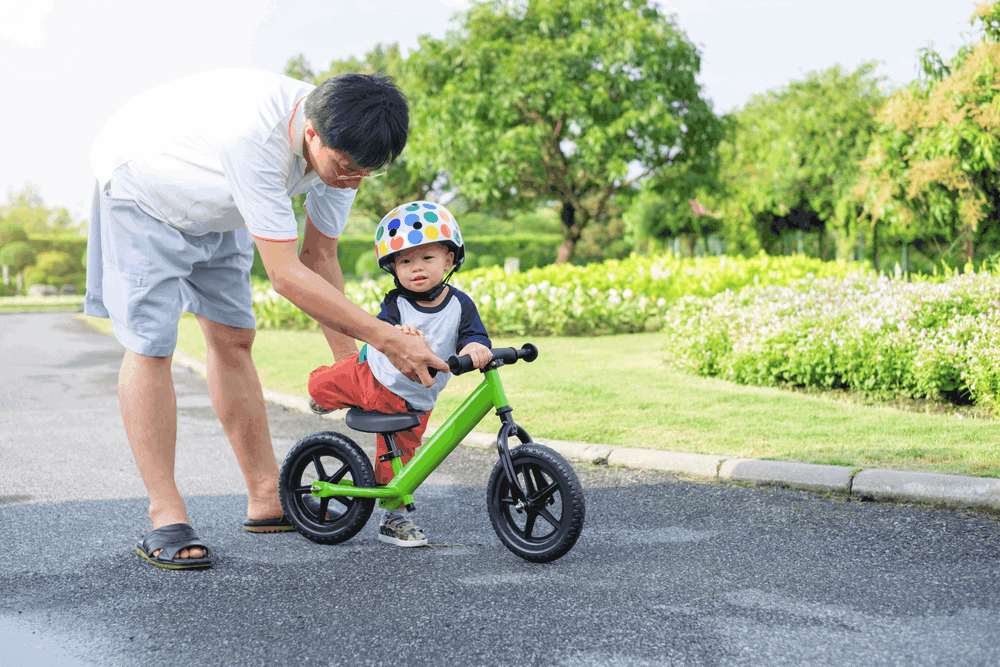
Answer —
(797, 148)
(554, 99)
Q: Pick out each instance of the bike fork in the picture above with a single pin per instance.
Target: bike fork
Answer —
(508, 428)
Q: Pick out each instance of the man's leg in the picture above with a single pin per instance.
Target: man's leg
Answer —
(239, 403)
(149, 411)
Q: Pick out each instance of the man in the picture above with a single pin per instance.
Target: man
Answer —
(189, 176)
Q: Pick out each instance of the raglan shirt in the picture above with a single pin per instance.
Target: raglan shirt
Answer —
(218, 150)
(448, 327)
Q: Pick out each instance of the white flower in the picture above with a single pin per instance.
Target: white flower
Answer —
(485, 299)
(531, 304)
(661, 302)
(628, 294)
(614, 299)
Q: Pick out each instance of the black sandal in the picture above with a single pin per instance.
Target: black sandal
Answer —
(170, 540)
(278, 525)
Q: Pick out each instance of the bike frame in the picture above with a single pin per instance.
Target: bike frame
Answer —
(399, 491)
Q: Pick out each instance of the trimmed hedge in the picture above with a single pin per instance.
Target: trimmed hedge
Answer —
(71, 245)
(533, 250)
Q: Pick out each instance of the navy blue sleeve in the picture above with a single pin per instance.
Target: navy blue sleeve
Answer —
(470, 327)
(390, 310)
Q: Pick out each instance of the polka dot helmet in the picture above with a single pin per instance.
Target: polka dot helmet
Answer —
(415, 224)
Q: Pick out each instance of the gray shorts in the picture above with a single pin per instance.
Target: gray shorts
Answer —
(142, 273)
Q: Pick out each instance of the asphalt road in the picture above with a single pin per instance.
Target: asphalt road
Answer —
(667, 572)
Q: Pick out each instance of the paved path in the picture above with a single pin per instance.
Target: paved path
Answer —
(668, 571)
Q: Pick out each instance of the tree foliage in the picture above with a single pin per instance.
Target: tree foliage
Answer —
(17, 256)
(405, 180)
(932, 174)
(790, 156)
(26, 210)
(556, 100)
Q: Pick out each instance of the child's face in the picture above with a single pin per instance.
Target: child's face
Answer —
(419, 269)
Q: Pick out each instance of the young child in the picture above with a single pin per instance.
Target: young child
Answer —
(420, 245)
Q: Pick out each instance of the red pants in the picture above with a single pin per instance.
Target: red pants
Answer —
(349, 384)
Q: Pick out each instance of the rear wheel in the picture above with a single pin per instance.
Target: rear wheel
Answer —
(545, 525)
(326, 457)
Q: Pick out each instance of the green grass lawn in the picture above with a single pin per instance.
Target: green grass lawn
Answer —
(617, 390)
(16, 304)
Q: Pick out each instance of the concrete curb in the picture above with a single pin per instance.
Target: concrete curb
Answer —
(864, 484)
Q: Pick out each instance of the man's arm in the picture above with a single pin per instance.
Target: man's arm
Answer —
(319, 254)
(327, 305)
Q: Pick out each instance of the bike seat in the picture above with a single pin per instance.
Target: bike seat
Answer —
(380, 422)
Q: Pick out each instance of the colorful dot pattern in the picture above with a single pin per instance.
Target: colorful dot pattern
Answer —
(415, 224)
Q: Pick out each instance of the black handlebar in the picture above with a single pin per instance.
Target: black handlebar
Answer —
(507, 355)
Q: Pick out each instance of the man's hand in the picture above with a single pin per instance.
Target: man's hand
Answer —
(480, 354)
(411, 356)
(409, 329)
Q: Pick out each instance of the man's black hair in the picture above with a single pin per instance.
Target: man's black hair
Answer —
(363, 115)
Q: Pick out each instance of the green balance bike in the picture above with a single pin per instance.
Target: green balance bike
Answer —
(534, 497)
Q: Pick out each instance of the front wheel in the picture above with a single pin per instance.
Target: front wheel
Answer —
(325, 457)
(545, 525)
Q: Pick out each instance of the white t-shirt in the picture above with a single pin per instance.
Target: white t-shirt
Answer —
(216, 151)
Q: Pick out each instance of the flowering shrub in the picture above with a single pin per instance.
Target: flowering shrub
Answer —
(935, 338)
(616, 296)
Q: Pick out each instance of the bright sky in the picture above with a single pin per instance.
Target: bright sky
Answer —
(67, 65)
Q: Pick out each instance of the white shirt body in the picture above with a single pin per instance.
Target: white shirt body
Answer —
(215, 151)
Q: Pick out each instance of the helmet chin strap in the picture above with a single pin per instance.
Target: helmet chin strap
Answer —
(429, 295)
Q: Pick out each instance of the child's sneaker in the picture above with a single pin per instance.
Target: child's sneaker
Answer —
(402, 532)
(318, 409)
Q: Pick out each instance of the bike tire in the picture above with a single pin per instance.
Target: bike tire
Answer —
(555, 496)
(329, 457)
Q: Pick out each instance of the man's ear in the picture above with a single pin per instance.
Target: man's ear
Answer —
(451, 261)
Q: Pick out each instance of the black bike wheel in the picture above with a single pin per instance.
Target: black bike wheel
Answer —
(328, 457)
(546, 525)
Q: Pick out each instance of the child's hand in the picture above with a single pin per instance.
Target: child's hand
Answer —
(480, 354)
(409, 330)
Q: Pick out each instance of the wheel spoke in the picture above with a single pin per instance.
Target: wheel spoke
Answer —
(545, 514)
(337, 476)
(302, 490)
(320, 472)
(529, 482)
(324, 503)
(545, 493)
(529, 525)
(343, 500)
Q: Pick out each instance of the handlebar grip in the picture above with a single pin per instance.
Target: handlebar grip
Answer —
(463, 364)
(458, 365)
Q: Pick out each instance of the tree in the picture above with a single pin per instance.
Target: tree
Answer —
(15, 257)
(932, 175)
(559, 100)
(10, 233)
(26, 209)
(405, 180)
(790, 158)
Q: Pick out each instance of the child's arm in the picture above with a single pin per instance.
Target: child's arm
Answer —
(472, 337)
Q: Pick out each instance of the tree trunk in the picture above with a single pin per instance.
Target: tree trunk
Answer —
(571, 234)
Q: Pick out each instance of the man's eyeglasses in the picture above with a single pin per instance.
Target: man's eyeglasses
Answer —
(360, 173)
